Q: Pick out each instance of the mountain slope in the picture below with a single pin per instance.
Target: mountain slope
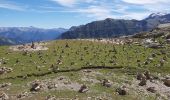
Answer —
(155, 19)
(5, 41)
(161, 32)
(29, 34)
(112, 27)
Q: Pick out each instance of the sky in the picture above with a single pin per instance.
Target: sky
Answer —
(67, 13)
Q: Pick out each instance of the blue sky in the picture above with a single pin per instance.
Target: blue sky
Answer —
(67, 13)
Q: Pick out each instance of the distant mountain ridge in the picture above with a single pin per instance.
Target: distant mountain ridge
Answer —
(30, 34)
(116, 27)
(5, 41)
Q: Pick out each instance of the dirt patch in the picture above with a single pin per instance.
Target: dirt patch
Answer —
(90, 76)
(29, 47)
(60, 83)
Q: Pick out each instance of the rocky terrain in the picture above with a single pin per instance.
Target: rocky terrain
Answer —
(126, 68)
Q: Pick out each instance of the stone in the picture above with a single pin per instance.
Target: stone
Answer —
(151, 89)
(5, 85)
(33, 45)
(36, 86)
(4, 96)
(49, 97)
(106, 83)
(143, 81)
(121, 91)
(148, 75)
(23, 95)
(4, 70)
(83, 89)
(153, 55)
(146, 62)
(140, 76)
(167, 82)
(67, 46)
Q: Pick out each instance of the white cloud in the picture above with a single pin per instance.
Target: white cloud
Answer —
(135, 15)
(68, 3)
(97, 12)
(145, 1)
(11, 6)
(71, 3)
(114, 8)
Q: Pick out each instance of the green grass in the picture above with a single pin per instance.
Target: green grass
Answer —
(82, 54)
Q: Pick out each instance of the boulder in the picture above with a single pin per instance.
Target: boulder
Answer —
(106, 83)
(33, 45)
(122, 91)
(151, 89)
(148, 75)
(167, 82)
(36, 86)
(4, 96)
(143, 81)
(140, 76)
(83, 89)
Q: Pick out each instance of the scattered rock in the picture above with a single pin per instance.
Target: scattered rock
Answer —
(148, 75)
(151, 89)
(49, 97)
(83, 89)
(167, 82)
(143, 81)
(67, 46)
(36, 86)
(4, 96)
(29, 47)
(4, 70)
(5, 85)
(140, 76)
(106, 83)
(121, 91)
(23, 95)
(33, 45)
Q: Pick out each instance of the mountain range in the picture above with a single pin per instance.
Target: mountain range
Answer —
(20, 35)
(116, 27)
(6, 41)
(98, 29)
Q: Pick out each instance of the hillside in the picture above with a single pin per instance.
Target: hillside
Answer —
(85, 69)
(30, 34)
(115, 27)
(5, 41)
(161, 32)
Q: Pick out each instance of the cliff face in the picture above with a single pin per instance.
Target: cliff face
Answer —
(111, 27)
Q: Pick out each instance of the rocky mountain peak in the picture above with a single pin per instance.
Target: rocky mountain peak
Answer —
(153, 15)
